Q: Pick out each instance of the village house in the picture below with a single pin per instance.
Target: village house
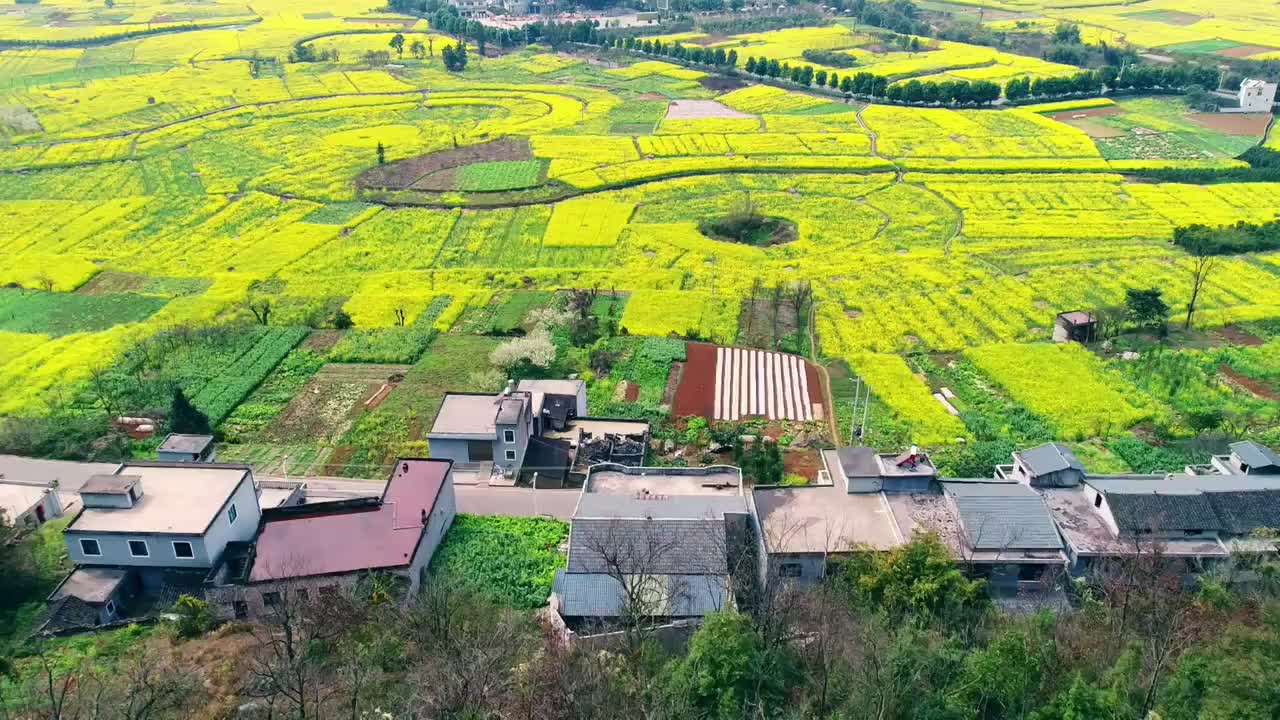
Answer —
(28, 505)
(313, 549)
(186, 448)
(1074, 326)
(150, 531)
(665, 543)
(534, 430)
(1257, 95)
(1199, 515)
(1247, 458)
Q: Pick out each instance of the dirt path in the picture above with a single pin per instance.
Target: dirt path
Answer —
(875, 137)
(1256, 387)
(828, 399)
(946, 246)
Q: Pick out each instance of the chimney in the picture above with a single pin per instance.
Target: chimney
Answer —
(424, 516)
(510, 388)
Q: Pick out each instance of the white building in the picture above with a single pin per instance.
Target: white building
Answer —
(1257, 95)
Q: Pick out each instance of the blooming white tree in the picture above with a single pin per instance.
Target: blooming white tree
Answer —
(536, 347)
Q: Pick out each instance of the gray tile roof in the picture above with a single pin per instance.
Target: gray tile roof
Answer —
(1050, 458)
(670, 507)
(1255, 455)
(1164, 512)
(648, 546)
(1185, 484)
(1003, 516)
(1243, 512)
(601, 595)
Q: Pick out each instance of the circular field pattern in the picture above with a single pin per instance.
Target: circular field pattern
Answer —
(388, 135)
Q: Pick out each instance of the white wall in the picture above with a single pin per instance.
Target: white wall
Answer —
(438, 524)
(248, 514)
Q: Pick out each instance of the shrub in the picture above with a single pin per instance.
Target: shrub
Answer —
(195, 617)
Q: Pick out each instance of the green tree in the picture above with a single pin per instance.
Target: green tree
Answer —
(1235, 678)
(397, 44)
(729, 673)
(382, 154)
(1146, 308)
(1006, 678)
(918, 580)
(186, 418)
(1081, 701)
(418, 50)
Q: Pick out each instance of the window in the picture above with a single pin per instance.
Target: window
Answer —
(182, 549)
(1097, 501)
(302, 596)
(271, 599)
(508, 436)
(511, 454)
(138, 548)
(789, 570)
(231, 514)
(90, 547)
(111, 607)
(241, 609)
(328, 590)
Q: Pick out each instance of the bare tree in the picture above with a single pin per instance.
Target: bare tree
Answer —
(468, 649)
(260, 306)
(282, 664)
(1202, 264)
(638, 555)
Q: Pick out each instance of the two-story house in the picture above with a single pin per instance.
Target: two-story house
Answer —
(479, 431)
(152, 529)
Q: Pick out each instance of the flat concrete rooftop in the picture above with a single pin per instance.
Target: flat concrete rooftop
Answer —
(462, 414)
(715, 480)
(179, 499)
(818, 519)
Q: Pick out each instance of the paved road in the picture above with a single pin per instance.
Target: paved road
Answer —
(475, 499)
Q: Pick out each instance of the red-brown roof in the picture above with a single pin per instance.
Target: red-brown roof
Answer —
(384, 536)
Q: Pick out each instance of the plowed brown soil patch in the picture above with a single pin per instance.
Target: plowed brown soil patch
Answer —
(1257, 387)
(1067, 115)
(1244, 51)
(697, 392)
(1233, 123)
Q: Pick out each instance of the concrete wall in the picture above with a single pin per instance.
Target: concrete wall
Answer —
(248, 514)
(520, 445)
(109, 500)
(115, 550)
(812, 567)
(450, 449)
(907, 484)
(438, 524)
(29, 518)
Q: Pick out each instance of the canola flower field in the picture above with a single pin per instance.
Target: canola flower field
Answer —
(171, 180)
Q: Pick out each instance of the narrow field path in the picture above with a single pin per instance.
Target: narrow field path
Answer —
(875, 137)
(828, 397)
(946, 245)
